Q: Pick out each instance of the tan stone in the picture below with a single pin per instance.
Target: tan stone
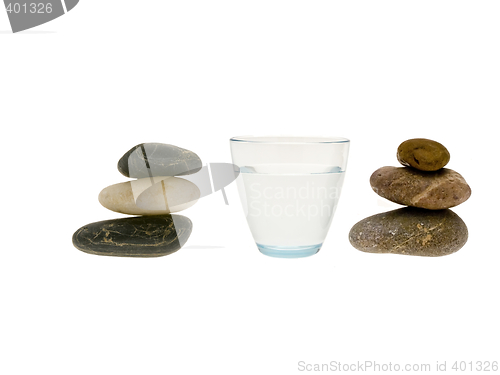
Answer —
(150, 196)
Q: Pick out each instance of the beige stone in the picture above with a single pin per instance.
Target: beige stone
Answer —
(150, 196)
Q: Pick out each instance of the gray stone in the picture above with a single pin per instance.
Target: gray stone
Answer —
(410, 187)
(410, 231)
(143, 236)
(158, 159)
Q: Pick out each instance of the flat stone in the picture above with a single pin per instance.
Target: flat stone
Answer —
(158, 159)
(410, 187)
(423, 154)
(150, 196)
(410, 231)
(143, 236)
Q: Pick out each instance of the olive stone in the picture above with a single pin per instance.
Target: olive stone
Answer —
(158, 159)
(423, 154)
(410, 231)
(410, 187)
(142, 236)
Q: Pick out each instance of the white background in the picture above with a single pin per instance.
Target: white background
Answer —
(78, 92)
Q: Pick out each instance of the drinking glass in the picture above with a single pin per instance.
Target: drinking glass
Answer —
(289, 188)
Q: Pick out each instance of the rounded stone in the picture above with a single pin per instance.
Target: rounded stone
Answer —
(158, 159)
(410, 187)
(143, 236)
(410, 231)
(150, 196)
(423, 154)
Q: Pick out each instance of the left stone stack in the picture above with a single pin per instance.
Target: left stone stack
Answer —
(155, 194)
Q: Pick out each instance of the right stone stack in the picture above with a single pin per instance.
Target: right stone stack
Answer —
(427, 227)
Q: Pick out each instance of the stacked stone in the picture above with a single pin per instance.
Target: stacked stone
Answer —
(155, 194)
(427, 227)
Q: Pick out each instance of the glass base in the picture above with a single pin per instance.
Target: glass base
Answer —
(289, 251)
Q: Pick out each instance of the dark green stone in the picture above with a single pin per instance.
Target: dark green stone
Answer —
(141, 236)
(158, 159)
(410, 231)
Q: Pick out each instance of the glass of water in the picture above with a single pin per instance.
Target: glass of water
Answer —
(289, 188)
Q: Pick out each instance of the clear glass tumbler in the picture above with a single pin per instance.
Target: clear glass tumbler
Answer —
(289, 188)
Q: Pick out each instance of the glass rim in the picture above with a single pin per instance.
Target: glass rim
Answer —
(289, 139)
